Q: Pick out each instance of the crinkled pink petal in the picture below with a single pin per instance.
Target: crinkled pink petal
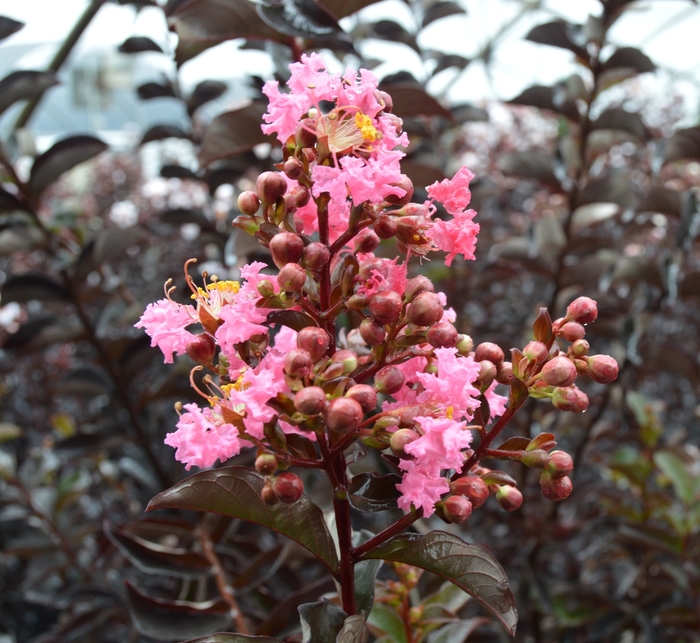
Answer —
(420, 488)
(440, 446)
(453, 193)
(310, 78)
(165, 321)
(497, 403)
(456, 236)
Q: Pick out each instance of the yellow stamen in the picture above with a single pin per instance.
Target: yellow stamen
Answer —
(449, 411)
(364, 124)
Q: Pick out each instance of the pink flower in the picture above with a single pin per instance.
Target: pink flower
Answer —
(390, 275)
(497, 403)
(420, 488)
(440, 446)
(456, 236)
(453, 193)
(165, 322)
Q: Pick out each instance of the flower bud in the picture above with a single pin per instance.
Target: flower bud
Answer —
(509, 498)
(416, 286)
(487, 372)
(347, 358)
(366, 241)
(535, 459)
(291, 277)
(571, 331)
(357, 302)
(315, 256)
(583, 310)
(505, 373)
(489, 351)
(570, 399)
(269, 186)
(293, 168)
(248, 202)
(202, 350)
(368, 267)
(559, 371)
(405, 184)
(297, 363)
(400, 439)
(442, 335)
(268, 495)
(365, 395)
(425, 309)
(457, 509)
(554, 488)
(385, 306)
(288, 487)
(314, 340)
(286, 247)
(265, 288)
(372, 332)
(472, 487)
(389, 380)
(343, 415)
(603, 369)
(385, 226)
(536, 352)
(301, 195)
(465, 345)
(385, 100)
(310, 400)
(304, 134)
(560, 464)
(580, 347)
(266, 464)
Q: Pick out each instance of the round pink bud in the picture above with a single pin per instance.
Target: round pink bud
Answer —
(286, 247)
(314, 340)
(310, 400)
(489, 351)
(248, 202)
(385, 306)
(505, 373)
(442, 335)
(465, 345)
(560, 464)
(457, 509)
(425, 309)
(266, 464)
(366, 241)
(315, 256)
(554, 488)
(399, 439)
(559, 371)
(304, 134)
(265, 288)
(202, 350)
(365, 395)
(405, 184)
(581, 366)
(416, 286)
(297, 363)
(385, 226)
(268, 495)
(570, 399)
(288, 487)
(472, 487)
(509, 498)
(290, 203)
(389, 379)
(571, 331)
(583, 310)
(301, 195)
(536, 459)
(291, 277)
(293, 168)
(603, 369)
(372, 332)
(487, 372)
(536, 352)
(343, 415)
(580, 347)
(270, 186)
(347, 358)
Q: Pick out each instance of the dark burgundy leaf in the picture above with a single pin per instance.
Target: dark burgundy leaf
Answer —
(466, 113)
(300, 446)
(422, 174)
(616, 118)
(371, 492)
(629, 57)
(320, 622)
(83, 382)
(542, 328)
(441, 10)
(24, 288)
(342, 8)
(180, 216)
(8, 26)
(228, 637)
(177, 172)
(410, 100)
(683, 145)
(24, 85)
(232, 133)
(516, 443)
(148, 91)
(353, 630)
(445, 61)
(365, 575)
(138, 44)
(235, 491)
(498, 477)
(611, 189)
(10, 203)
(530, 164)
(174, 620)
(299, 18)
(560, 34)
(388, 30)
(470, 567)
(60, 158)
(294, 319)
(204, 92)
(664, 200)
(159, 132)
(518, 391)
(545, 97)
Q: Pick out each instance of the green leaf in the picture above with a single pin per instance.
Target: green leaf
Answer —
(24, 85)
(675, 470)
(386, 620)
(320, 622)
(233, 132)
(228, 637)
(371, 492)
(470, 567)
(456, 632)
(235, 491)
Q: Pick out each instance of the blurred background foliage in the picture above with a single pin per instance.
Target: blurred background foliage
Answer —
(586, 186)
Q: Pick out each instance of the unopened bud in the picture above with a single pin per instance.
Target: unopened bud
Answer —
(472, 487)
(366, 241)
(368, 267)
(603, 369)
(580, 347)
(385, 306)
(314, 340)
(536, 459)
(425, 309)
(554, 488)
(536, 352)
(372, 332)
(416, 286)
(560, 463)
(385, 100)
(248, 202)
(465, 345)
(301, 195)
(442, 335)
(304, 134)
(347, 358)
(293, 168)
(286, 247)
(343, 415)
(269, 186)
(297, 363)
(268, 495)
(389, 380)
(570, 398)
(400, 439)
(288, 487)
(405, 184)
(310, 400)
(315, 256)
(583, 310)
(385, 227)
(559, 371)
(202, 350)
(509, 498)
(265, 288)
(489, 351)
(571, 331)
(266, 464)
(357, 302)
(505, 373)
(365, 395)
(487, 372)
(457, 509)
(291, 277)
